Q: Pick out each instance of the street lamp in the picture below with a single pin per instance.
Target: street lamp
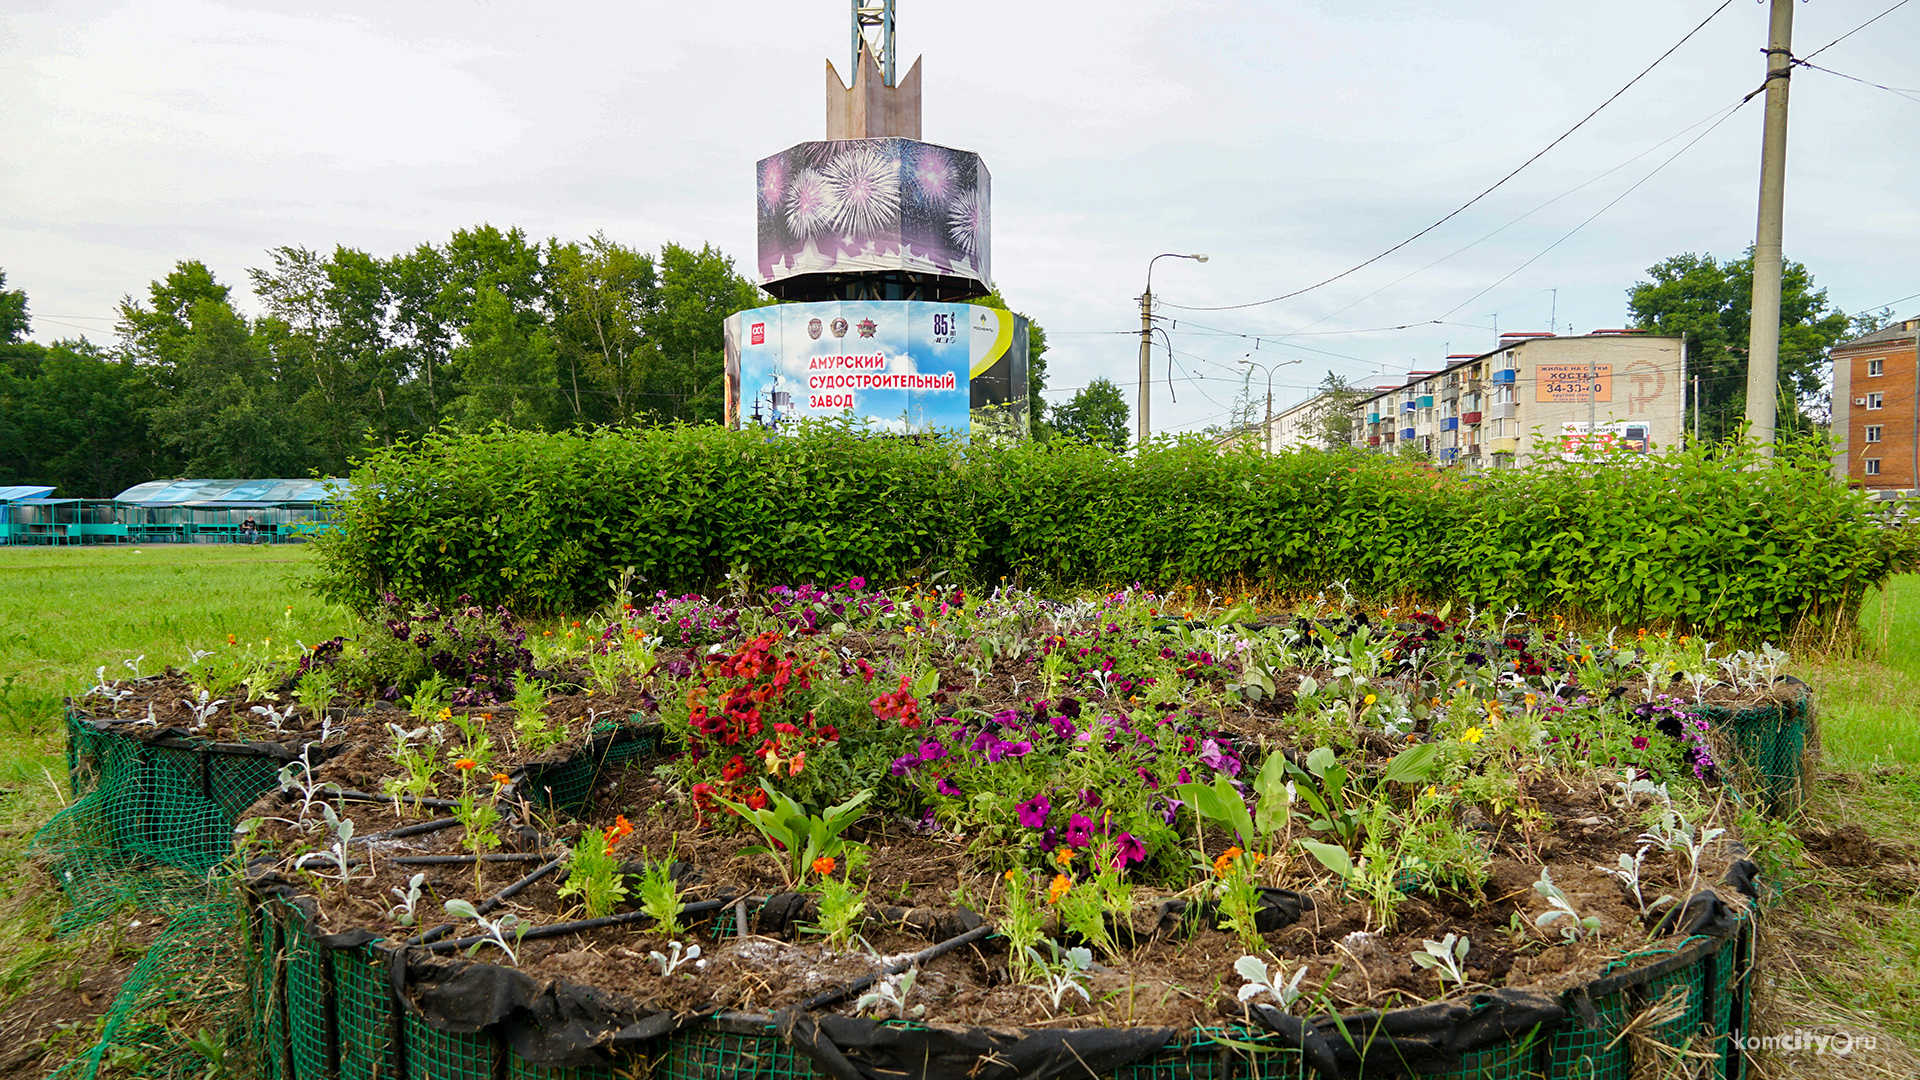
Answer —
(1266, 433)
(1146, 338)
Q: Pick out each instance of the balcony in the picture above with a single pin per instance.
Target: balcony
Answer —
(1406, 433)
(1410, 406)
(1471, 418)
(1506, 410)
(1450, 392)
(1509, 444)
(1451, 423)
(1373, 440)
(1449, 453)
(1504, 375)
(1473, 450)
(1426, 401)
(1373, 418)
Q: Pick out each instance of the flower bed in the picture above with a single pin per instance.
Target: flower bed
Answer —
(1133, 829)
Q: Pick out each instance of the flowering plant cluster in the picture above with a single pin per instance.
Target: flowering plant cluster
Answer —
(689, 620)
(481, 653)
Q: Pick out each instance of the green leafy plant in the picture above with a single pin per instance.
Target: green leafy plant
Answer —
(795, 837)
(1444, 958)
(536, 731)
(660, 896)
(841, 909)
(495, 931)
(1561, 909)
(593, 871)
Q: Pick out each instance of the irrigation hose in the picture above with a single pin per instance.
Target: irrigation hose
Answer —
(488, 905)
(701, 907)
(924, 956)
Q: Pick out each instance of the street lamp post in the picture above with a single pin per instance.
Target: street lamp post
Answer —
(1146, 340)
(1266, 433)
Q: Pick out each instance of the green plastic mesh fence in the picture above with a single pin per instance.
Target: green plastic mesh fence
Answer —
(368, 1027)
(188, 986)
(152, 823)
(565, 786)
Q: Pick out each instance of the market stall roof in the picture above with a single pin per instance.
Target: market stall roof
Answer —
(22, 492)
(229, 492)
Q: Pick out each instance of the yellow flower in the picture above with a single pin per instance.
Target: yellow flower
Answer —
(1371, 699)
(1532, 701)
(1011, 875)
(1472, 735)
(1063, 856)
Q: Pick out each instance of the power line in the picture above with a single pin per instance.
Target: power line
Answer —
(1855, 30)
(1610, 205)
(1905, 92)
(1490, 190)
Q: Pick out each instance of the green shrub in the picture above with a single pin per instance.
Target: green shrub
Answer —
(1692, 538)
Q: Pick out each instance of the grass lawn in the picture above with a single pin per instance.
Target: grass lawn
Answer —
(1841, 948)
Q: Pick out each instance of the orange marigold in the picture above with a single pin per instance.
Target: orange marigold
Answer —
(824, 865)
(1061, 883)
(465, 763)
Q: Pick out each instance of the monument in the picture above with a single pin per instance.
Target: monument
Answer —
(877, 240)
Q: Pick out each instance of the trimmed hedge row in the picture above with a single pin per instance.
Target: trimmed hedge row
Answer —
(541, 521)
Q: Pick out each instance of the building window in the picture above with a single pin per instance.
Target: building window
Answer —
(1876, 366)
(1873, 466)
(1875, 401)
(1873, 432)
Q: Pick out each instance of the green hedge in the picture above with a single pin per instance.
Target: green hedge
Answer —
(541, 522)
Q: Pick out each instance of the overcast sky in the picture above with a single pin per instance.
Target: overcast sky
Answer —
(1288, 141)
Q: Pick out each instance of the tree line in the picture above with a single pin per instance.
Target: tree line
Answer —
(351, 351)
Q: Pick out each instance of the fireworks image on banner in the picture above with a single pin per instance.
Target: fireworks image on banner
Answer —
(865, 184)
(967, 223)
(932, 177)
(810, 203)
(773, 183)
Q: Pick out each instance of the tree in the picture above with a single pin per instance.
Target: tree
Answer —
(14, 322)
(1330, 423)
(601, 295)
(1710, 303)
(1096, 414)
(698, 290)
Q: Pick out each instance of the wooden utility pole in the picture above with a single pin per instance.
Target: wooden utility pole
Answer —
(1763, 341)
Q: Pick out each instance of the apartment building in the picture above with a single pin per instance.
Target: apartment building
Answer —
(1535, 397)
(1876, 400)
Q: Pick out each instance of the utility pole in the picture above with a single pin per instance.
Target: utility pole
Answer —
(1267, 432)
(1146, 355)
(1146, 342)
(1763, 342)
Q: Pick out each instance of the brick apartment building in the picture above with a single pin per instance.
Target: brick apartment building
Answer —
(1876, 409)
(1532, 398)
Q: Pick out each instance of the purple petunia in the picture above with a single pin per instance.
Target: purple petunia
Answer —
(1033, 812)
(947, 787)
(1127, 850)
(1639, 742)
(932, 750)
(1079, 831)
(1213, 757)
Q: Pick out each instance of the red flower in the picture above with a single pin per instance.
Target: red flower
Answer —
(757, 800)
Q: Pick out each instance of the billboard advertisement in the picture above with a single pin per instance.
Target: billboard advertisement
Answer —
(1630, 435)
(905, 366)
(865, 205)
(1573, 382)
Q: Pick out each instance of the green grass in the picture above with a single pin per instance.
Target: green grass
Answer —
(66, 612)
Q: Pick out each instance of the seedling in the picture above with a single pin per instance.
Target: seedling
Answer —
(660, 896)
(670, 964)
(593, 872)
(203, 710)
(1259, 980)
(496, 930)
(1562, 908)
(1629, 874)
(1067, 973)
(403, 912)
(297, 775)
(893, 991)
(342, 829)
(1444, 958)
